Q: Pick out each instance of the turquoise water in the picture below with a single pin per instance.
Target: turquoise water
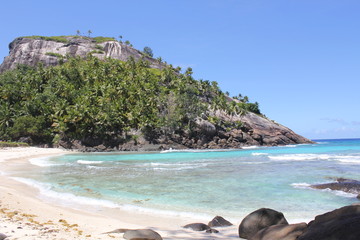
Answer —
(204, 183)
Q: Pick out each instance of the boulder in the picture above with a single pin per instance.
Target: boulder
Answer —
(258, 220)
(2, 236)
(212, 230)
(197, 226)
(219, 221)
(142, 234)
(280, 232)
(340, 224)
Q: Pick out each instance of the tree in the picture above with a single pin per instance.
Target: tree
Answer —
(148, 51)
(120, 38)
(78, 32)
(89, 32)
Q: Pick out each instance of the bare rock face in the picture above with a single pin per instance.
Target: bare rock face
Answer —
(258, 130)
(31, 51)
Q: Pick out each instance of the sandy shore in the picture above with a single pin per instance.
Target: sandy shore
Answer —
(24, 214)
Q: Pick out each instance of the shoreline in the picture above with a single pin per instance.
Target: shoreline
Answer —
(25, 215)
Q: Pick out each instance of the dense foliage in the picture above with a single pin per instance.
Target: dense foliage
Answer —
(91, 99)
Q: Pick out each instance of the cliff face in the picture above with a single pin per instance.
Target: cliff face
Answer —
(31, 51)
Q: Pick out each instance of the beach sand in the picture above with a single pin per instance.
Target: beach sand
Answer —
(25, 214)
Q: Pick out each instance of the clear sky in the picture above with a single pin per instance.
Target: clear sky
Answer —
(300, 59)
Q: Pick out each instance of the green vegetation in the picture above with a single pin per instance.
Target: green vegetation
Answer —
(103, 39)
(13, 144)
(54, 54)
(99, 47)
(97, 51)
(148, 52)
(61, 39)
(95, 100)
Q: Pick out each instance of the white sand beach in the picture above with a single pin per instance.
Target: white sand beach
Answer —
(24, 214)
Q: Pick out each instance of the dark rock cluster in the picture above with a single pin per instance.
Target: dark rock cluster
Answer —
(268, 224)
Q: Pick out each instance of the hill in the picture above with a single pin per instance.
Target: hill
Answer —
(57, 92)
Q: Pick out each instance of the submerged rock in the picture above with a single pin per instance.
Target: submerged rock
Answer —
(258, 220)
(341, 184)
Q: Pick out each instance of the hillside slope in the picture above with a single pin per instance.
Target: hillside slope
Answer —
(119, 99)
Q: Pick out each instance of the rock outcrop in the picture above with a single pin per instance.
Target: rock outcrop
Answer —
(31, 51)
(341, 184)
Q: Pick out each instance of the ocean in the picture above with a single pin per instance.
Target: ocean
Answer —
(200, 183)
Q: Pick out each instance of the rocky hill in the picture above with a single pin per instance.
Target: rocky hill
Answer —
(107, 105)
(50, 50)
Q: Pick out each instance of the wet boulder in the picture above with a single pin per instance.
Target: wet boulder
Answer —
(280, 232)
(258, 220)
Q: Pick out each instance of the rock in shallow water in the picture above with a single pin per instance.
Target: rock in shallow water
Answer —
(258, 220)
(341, 184)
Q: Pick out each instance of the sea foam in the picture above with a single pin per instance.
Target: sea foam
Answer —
(300, 157)
(42, 162)
(88, 162)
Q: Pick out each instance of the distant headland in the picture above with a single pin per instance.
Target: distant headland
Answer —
(100, 94)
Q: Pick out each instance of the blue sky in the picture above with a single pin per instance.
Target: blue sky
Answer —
(300, 59)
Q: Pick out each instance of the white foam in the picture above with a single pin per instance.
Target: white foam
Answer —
(66, 198)
(301, 185)
(182, 214)
(250, 147)
(300, 157)
(88, 162)
(259, 154)
(69, 199)
(197, 150)
(175, 166)
(42, 162)
(253, 162)
(348, 159)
